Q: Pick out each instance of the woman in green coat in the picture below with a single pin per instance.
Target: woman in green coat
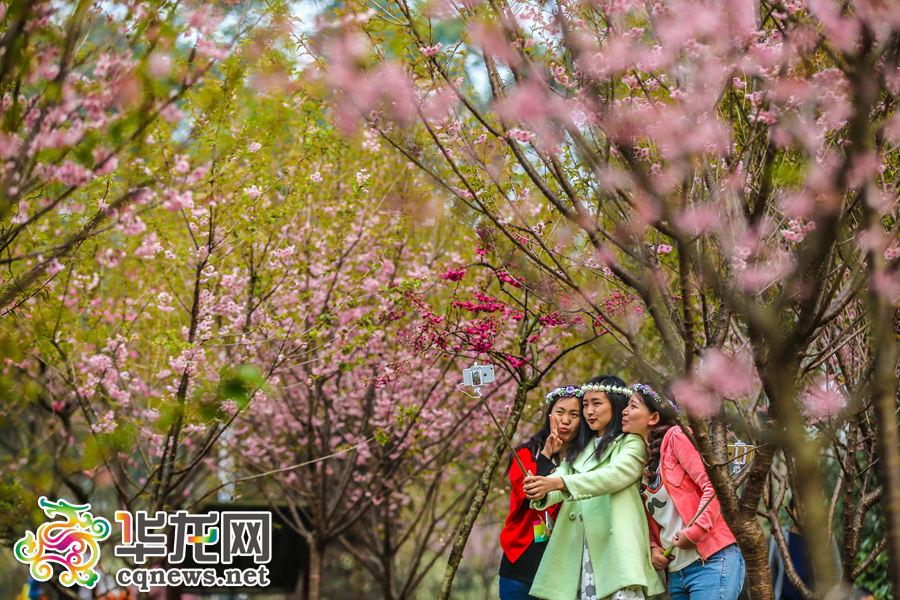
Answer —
(599, 548)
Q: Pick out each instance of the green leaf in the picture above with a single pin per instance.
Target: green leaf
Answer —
(788, 173)
(382, 437)
(240, 383)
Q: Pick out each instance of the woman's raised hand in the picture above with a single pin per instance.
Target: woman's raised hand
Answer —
(554, 442)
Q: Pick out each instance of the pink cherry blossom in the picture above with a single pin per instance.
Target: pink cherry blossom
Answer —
(695, 399)
(821, 401)
(181, 164)
(730, 376)
(521, 136)
(430, 51)
(176, 200)
(697, 220)
(211, 49)
(159, 64)
(892, 253)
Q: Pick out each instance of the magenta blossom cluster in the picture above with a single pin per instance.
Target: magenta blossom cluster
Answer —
(482, 303)
(453, 274)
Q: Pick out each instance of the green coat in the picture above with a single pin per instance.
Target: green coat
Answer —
(601, 502)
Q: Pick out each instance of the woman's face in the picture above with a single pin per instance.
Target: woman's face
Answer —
(638, 418)
(568, 417)
(598, 411)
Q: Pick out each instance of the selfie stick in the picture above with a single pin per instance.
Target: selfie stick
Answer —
(668, 551)
(502, 433)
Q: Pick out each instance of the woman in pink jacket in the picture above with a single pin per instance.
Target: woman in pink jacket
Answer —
(705, 562)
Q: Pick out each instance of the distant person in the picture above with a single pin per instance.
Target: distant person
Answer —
(799, 553)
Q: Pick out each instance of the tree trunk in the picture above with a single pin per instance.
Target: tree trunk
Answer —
(481, 492)
(358, 584)
(316, 560)
(740, 512)
(752, 542)
(851, 531)
(387, 581)
(807, 479)
(884, 397)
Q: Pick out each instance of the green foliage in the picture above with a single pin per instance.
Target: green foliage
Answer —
(13, 504)
(382, 437)
(875, 578)
(240, 383)
(788, 172)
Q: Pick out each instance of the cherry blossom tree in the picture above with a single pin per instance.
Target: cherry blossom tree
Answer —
(367, 438)
(128, 377)
(734, 171)
(353, 399)
(82, 86)
(540, 339)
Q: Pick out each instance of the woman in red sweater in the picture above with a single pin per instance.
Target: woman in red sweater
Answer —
(526, 532)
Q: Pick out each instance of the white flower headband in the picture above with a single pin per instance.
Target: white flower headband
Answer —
(609, 389)
(564, 392)
(650, 393)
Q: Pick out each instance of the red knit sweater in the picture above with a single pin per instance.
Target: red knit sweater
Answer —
(518, 532)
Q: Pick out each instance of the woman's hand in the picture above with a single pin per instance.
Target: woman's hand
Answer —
(681, 541)
(659, 560)
(554, 443)
(538, 487)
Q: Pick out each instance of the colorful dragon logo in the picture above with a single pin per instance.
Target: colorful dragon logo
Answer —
(72, 544)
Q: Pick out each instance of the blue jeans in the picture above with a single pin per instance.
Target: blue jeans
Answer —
(513, 589)
(720, 577)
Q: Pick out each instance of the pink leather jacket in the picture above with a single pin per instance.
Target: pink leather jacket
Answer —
(684, 476)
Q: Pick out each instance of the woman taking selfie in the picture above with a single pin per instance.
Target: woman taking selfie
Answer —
(704, 562)
(600, 547)
(525, 534)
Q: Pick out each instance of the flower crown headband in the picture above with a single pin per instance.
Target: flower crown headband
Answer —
(613, 389)
(564, 392)
(657, 400)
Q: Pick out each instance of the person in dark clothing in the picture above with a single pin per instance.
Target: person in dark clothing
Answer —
(799, 553)
(525, 534)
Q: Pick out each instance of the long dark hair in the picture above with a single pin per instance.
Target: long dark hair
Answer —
(618, 402)
(536, 442)
(666, 421)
